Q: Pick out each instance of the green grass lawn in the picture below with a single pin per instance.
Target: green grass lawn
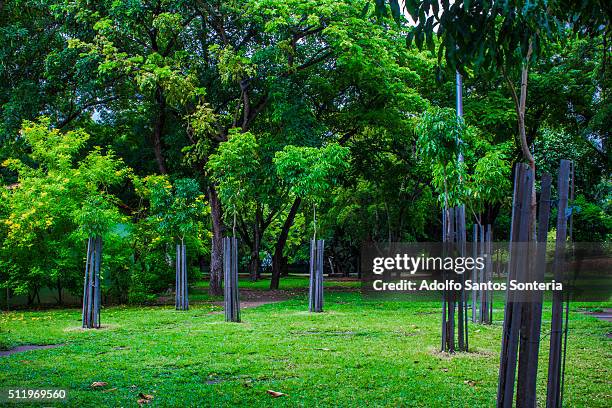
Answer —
(357, 353)
(290, 282)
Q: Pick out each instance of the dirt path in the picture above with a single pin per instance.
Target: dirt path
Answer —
(605, 315)
(255, 298)
(21, 349)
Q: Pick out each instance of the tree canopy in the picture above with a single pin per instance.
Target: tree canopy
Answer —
(166, 120)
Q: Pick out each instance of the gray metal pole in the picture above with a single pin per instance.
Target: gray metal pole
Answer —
(85, 282)
(459, 101)
(459, 91)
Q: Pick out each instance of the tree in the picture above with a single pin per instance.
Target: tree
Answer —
(95, 218)
(295, 71)
(56, 203)
(322, 82)
(481, 178)
(178, 211)
(244, 187)
(502, 36)
(311, 173)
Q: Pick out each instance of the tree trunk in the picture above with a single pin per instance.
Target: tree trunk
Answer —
(523, 137)
(520, 103)
(284, 266)
(216, 253)
(202, 263)
(277, 259)
(59, 291)
(521, 118)
(158, 130)
(254, 263)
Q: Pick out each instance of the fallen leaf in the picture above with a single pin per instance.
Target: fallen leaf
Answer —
(445, 370)
(144, 398)
(323, 348)
(98, 384)
(110, 390)
(275, 394)
(471, 383)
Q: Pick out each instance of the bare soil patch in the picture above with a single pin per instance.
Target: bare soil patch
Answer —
(605, 315)
(254, 298)
(28, 347)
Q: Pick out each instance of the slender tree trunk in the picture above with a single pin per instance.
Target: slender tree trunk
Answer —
(521, 118)
(254, 263)
(520, 102)
(277, 259)
(216, 253)
(523, 137)
(59, 291)
(158, 131)
(202, 263)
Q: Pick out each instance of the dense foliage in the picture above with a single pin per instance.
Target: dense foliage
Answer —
(165, 121)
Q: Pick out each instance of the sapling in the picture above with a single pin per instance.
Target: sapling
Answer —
(178, 210)
(96, 217)
(310, 173)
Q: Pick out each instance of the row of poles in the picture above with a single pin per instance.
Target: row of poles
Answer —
(454, 302)
(522, 322)
(181, 297)
(454, 239)
(522, 319)
(455, 305)
(92, 292)
(230, 275)
(482, 299)
(91, 285)
(522, 314)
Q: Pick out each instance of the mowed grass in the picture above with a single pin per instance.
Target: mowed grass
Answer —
(358, 352)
